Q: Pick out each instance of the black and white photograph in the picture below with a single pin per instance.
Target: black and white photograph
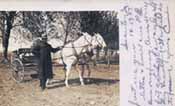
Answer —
(59, 58)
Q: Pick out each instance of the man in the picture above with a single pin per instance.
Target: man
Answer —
(43, 50)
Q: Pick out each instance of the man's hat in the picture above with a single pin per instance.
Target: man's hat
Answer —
(44, 37)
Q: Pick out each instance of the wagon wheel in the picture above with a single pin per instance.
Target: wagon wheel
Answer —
(17, 70)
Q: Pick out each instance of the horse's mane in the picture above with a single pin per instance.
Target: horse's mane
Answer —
(83, 34)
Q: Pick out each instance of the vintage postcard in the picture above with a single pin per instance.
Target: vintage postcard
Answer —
(87, 53)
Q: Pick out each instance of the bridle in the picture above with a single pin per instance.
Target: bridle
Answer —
(99, 43)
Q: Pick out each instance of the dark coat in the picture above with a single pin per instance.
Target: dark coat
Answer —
(43, 50)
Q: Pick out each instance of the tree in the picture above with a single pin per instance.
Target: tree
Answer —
(61, 25)
(7, 20)
(103, 22)
(72, 25)
(35, 22)
(67, 23)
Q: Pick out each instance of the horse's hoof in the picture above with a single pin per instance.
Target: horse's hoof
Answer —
(67, 86)
(82, 84)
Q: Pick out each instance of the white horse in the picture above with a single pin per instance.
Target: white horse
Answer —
(70, 52)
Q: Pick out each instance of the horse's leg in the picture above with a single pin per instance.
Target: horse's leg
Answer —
(89, 72)
(81, 73)
(65, 73)
(68, 68)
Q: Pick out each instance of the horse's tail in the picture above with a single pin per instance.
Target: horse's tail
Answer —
(64, 64)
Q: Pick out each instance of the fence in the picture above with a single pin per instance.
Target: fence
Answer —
(107, 57)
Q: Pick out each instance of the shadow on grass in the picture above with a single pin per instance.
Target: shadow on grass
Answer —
(57, 83)
(76, 82)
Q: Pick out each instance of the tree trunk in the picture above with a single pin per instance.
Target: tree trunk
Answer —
(6, 35)
(67, 30)
(5, 40)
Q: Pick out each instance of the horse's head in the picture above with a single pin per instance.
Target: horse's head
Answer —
(98, 41)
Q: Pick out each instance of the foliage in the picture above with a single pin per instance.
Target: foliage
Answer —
(61, 25)
(103, 22)
(64, 26)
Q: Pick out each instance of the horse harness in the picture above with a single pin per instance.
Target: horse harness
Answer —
(78, 56)
(81, 52)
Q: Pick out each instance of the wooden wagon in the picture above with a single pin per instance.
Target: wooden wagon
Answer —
(23, 63)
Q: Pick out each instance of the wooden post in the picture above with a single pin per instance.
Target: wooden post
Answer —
(108, 58)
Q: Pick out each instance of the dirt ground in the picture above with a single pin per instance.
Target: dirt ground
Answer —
(102, 90)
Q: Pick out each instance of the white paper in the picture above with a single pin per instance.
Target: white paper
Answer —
(146, 57)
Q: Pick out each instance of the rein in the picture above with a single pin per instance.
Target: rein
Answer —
(81, 52)
(89, 44)
(84, 47)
